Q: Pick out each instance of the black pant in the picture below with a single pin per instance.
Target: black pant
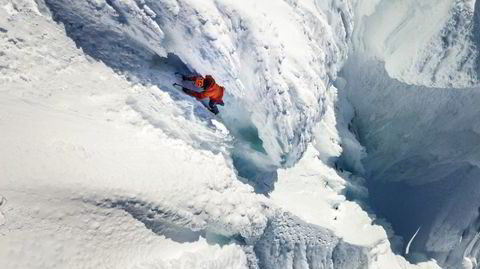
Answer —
(212, 106)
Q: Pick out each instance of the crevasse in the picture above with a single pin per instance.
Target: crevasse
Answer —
(105, 164)
(416, 115)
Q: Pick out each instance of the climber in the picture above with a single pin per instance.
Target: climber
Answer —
(211, 90)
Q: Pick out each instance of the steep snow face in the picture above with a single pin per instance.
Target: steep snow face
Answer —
(406, 77)
(422, 160)
(276, 71)
(432, 43)
(90, 179)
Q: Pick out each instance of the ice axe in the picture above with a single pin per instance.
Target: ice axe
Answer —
(185, 90)
(199, 81)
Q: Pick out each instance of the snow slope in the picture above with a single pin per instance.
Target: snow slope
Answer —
(105, 165)
(72, 140)
(267, 86)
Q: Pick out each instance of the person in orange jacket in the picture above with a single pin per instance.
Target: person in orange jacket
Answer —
(211, 90)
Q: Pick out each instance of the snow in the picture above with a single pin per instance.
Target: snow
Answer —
(421, 158)
(104, 164)
(50, 230)
(441, 53)
(314, 192)
(415, 98)
(91, 144)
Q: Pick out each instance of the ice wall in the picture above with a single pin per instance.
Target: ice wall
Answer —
(412, 76)
(276, 71)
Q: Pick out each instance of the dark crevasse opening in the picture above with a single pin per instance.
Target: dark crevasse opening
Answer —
(251, 161)
(422, 163)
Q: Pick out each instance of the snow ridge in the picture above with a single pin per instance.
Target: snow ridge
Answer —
(442, 54)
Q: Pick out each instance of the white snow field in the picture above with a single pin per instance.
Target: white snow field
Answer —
(104, 164)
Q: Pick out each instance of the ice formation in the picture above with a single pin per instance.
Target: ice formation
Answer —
(334, 113)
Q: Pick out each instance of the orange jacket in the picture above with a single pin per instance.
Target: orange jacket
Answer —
(211, 89)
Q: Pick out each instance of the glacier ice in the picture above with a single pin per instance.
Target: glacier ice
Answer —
(417, 118)
(421, 159)
(104, 164)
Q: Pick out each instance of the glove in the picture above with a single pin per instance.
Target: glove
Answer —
(185, 90)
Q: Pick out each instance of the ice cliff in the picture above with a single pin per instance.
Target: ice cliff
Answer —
(414, 73)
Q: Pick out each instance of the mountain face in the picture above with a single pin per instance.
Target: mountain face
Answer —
(348, 127)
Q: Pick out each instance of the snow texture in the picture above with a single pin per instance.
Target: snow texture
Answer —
(105, 165)
(432, 43)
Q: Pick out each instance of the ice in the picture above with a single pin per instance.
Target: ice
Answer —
(420, 157)
(416, 117)
(104, 164)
